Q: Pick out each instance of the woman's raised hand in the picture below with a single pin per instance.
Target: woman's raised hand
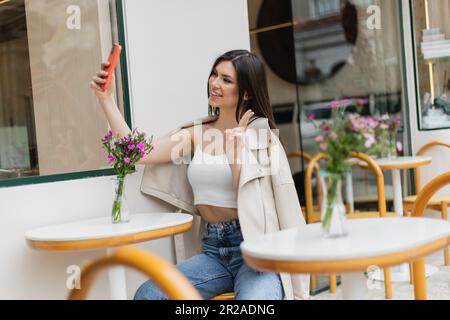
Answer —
(235, 138)
(98, 80)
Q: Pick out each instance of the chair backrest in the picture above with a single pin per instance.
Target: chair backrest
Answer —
(421, 152)
(307, 157)
(380, 179)
(361, 156)
(171, 281)
(428, 191)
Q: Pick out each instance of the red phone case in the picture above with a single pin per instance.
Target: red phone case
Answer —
(113, 59)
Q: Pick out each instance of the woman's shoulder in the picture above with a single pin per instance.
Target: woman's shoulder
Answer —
(258, 123)
(193, 124)
(199, 122)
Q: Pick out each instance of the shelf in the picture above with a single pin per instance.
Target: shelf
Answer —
(435, 60)
(432, 72)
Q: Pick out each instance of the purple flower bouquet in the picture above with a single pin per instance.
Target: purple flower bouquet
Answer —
(123, 154)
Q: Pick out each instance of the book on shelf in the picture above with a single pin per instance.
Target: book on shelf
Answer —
(435, 37)
(431, 31)
(436, 49)
(436, 55)
(435, 43)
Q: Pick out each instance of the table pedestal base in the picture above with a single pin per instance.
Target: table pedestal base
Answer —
(354, 286)
(117, 281)
(400, 273)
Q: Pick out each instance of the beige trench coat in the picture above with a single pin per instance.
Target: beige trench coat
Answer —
(267, 198)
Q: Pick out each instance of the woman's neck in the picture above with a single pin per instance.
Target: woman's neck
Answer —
(227, 120)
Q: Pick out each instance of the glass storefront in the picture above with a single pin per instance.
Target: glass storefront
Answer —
(50, 122)
(432, 51)
(319, 51)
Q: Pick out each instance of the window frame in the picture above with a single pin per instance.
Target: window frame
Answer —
(22, 181)
(416, 58)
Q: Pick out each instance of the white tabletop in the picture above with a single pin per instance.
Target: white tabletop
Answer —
(398, 161)
(103, 228)
(367, 238)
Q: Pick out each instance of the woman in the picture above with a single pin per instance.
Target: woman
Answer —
(239, 183)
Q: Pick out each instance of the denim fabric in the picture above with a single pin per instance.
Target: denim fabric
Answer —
(220, 268)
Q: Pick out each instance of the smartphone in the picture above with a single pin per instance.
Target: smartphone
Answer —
(113, 59)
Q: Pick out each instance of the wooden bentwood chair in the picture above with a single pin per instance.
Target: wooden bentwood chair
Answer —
(171, 281)
(314, 216)
(438, 203)
(422, 202)
(304, 156)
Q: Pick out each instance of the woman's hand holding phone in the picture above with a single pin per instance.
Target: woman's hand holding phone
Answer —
(101, 83)
(99, 80)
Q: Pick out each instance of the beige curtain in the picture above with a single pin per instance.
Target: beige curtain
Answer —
(69, 122)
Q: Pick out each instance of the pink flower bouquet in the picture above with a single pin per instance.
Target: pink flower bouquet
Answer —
(345, 133)
(123, 154)
(386, 132)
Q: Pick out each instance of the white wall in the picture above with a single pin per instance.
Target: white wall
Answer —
(171, 45)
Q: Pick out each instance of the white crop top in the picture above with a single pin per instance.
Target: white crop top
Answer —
(211, 180)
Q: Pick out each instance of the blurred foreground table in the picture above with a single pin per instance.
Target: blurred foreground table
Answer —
(101, 233)
(371, 243)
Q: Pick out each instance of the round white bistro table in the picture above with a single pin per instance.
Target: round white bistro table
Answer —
(101, 233)
(401, 273)
(395, 165)
(371, 243)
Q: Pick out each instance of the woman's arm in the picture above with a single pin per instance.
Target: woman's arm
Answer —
(234, 143)
(108, 104)
(170, 148)
(114, 117)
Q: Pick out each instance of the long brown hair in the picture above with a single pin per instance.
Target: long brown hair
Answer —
(251, 80)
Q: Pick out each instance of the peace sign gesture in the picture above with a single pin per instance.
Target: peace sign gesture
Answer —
(234, 138)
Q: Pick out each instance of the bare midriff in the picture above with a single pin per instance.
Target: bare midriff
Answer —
(214, 214)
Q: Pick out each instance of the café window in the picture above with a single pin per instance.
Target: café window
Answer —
(331, 50)
(50, 120)
(320, 8)
(432, 52)
(317, 51)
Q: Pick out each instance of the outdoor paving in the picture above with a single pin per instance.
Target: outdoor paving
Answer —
(438, 285)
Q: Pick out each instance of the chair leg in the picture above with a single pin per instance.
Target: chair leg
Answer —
(446, 257)
(411, 273)
(420, 286)
(444, 215)
(332, 283)
(387, 283)
(407, 212)
(347, 207)
(313, 282)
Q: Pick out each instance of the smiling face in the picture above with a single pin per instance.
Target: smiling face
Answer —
(223, 86)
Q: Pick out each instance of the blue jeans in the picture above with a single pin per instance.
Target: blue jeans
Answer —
(219, 268)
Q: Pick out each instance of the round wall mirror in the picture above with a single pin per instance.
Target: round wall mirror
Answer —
(316, 47)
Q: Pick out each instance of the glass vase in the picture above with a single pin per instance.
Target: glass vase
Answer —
(333, 209)
(390, 148)
(120, 212)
